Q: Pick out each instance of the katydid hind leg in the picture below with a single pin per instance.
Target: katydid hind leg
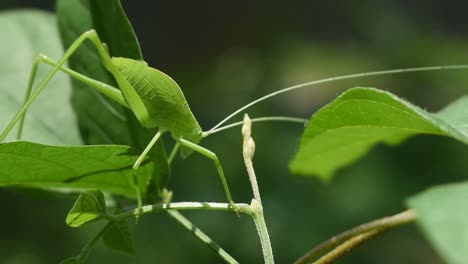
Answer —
(91, 35)
(104, 88)
(211, 155)
(32, 77)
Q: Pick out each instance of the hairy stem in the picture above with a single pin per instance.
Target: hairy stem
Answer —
(262, 230)
(380, 225)
(332, 79)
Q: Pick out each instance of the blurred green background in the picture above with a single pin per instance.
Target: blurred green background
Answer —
(225, 54)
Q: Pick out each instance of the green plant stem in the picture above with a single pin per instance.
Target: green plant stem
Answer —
(259, 119)
(208, 206)
(332, 79)
(200, 235)
(379, 225)
(81, 258)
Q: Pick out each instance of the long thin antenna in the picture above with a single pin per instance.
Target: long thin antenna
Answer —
(332, 79)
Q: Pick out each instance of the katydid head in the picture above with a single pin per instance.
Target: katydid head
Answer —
(156, 99)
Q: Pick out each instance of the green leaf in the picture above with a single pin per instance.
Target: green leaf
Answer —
(112, 24)
(442, 212)
(89, 207)
(108, 168)
(347, 128)
(118, 237)
(103, 121)
(30, 33)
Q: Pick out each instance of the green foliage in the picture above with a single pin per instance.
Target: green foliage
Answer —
(119, 237)
(30, 33)
(346, 129)
(108, 15)
(108, 168)
(89, 207)
(442, 212)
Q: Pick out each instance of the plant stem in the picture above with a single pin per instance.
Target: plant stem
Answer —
(347, 246)
(262, 230)
(332, 79)
(379, 225)
(256, 204)
(85, 251)
(200, 235)
(259, 119)
(209, 206)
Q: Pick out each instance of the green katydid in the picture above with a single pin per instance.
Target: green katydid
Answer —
(154, 98)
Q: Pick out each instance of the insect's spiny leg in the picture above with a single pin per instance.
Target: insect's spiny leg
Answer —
(211, 155)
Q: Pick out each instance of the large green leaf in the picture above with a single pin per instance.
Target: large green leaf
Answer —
(89, 207)
(25, 34)
(108, 168)
(442, 212)
(348, 127)
(103, 121)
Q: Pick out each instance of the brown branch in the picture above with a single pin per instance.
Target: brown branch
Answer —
(344, 248)
(352, 237)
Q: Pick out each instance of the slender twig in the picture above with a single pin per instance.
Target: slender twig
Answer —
(332, 79)
(209, 206)
(259, 119)
(347, 246)
(256, 205)
(87, 248)
(201, 236)
(85, 251)
(385, 223)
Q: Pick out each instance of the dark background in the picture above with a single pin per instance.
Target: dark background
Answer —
(225, 54)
